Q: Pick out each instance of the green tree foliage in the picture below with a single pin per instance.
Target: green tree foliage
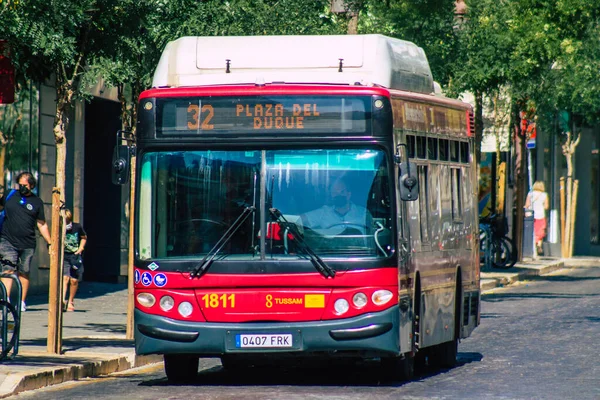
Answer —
(246, 17)
(428, 23)
(546, 52)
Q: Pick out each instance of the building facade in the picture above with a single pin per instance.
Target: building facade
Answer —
(26, 136)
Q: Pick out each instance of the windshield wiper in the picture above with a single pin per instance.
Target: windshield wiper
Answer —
(204, 265)
(316, 261)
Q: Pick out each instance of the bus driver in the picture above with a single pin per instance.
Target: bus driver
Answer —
(342, 214)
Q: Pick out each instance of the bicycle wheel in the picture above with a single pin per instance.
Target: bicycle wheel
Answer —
(512, 254)
(8, 318)
(501, 251)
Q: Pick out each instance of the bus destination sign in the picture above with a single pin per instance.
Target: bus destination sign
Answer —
(223, 115)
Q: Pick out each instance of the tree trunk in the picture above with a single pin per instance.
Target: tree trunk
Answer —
(520, 181)
(54, 342)
(353, 24)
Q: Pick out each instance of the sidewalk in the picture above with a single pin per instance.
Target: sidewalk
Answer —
(94, 341)
(494, 277)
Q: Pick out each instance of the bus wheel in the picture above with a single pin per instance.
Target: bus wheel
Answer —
(399, 368)
(181, 367)
(446, 354)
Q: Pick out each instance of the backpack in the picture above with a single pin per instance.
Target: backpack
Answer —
(3, 212)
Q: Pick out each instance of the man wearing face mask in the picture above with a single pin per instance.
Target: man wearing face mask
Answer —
(341, 215)
(24, 211)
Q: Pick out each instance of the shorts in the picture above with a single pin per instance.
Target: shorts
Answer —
(73, 266)
(22, 257)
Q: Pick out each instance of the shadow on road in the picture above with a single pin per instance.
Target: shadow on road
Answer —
(321, 373)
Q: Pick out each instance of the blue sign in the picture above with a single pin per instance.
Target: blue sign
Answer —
(137, 276)
(146, 279)
(160, 280)
(531, 144)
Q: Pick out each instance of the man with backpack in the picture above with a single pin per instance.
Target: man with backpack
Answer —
(23, 211)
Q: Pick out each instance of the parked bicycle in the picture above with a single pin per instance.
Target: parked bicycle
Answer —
(10, 316)
(495, 249)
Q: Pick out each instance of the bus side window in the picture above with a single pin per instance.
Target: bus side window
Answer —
(457, 205)
(421, 147)
(464, 152)
(411, 144)
(432, 148)
(444, 150)
(423, 202)
(454, 151)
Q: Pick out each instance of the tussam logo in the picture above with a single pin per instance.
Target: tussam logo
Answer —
(153, 266)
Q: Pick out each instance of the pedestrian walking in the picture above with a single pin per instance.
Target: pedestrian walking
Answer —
(75, 240)
(23, 211)
(537, 200)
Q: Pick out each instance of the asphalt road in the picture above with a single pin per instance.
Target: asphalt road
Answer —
(537, 340)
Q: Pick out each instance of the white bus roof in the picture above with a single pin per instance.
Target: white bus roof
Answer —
(363, 60)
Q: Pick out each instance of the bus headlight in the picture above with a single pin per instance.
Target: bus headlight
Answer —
(185, 309)
(167, 303)
(381, 297)
(146, 299)
(341, 306)
(359, 300)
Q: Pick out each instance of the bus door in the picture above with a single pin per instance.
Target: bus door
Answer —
(408, 241)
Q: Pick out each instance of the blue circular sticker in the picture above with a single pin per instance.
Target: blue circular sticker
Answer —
(137, 276)
(146, 279)
(160, 279)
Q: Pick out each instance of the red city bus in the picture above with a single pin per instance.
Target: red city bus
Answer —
(319, 202)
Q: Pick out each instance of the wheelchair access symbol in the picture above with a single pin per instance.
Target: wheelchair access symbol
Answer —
(146, 279)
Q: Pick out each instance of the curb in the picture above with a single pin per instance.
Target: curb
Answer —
(581, 262)
(493, 283)
(21, 382)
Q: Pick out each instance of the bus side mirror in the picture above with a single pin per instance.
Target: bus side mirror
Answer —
(120, 165)
(408, 182)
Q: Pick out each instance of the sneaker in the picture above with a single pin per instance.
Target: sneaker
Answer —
(23, 306)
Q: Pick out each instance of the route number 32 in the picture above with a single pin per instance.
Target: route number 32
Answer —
(200, 117)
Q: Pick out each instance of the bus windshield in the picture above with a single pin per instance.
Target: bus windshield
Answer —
(336, 200)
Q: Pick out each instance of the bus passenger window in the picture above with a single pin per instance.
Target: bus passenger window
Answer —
(432, 148)
(444, 150)
(454, 151)
(410, 145)
(464, 152)
(421, 147)
(456, 194)
(423, 202)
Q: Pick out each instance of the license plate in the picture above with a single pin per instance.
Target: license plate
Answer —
(263, 341)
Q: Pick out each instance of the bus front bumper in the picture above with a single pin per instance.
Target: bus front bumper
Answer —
(373, 333)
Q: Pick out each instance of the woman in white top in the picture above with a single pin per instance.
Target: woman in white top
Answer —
(537, 200)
